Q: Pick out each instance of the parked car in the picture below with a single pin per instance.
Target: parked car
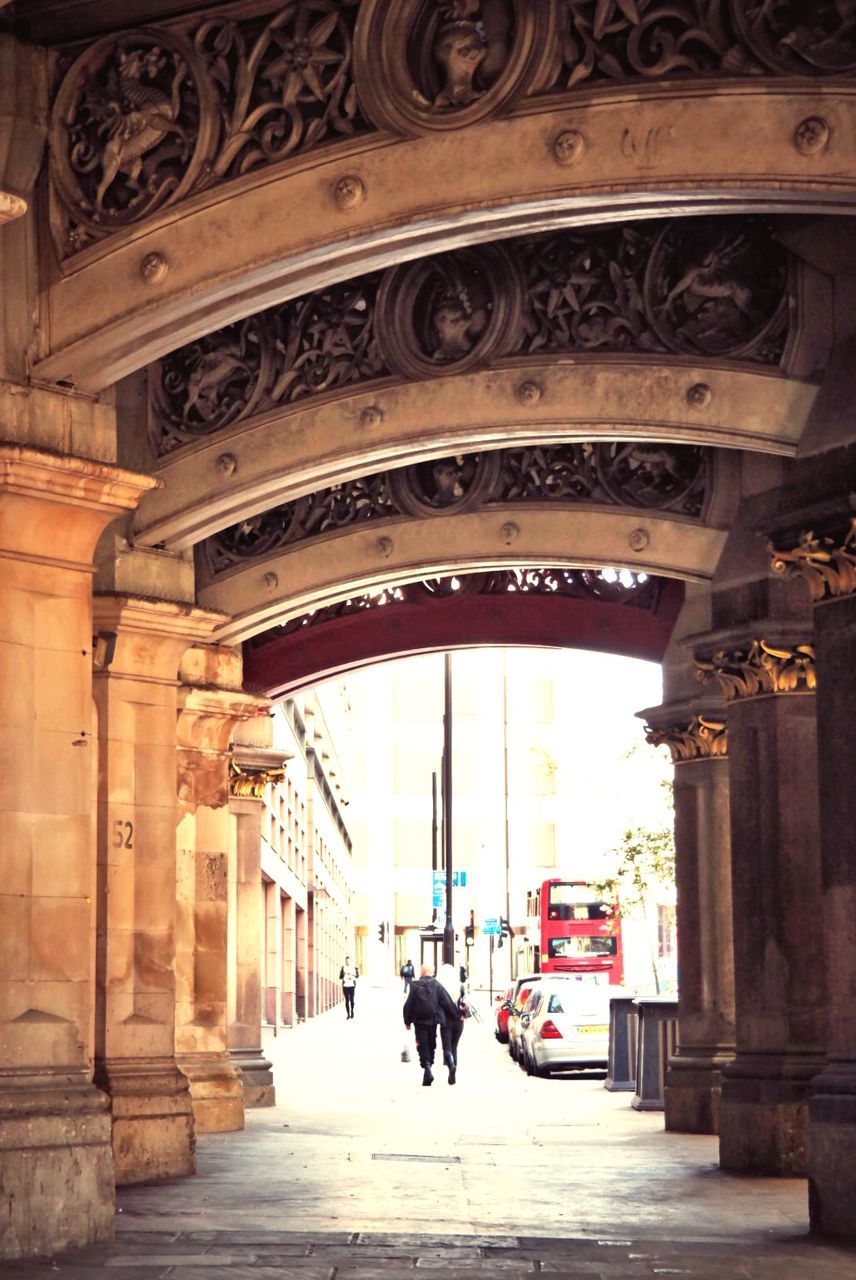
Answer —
(565, 1026)
(503, 1008)
(515, 1013)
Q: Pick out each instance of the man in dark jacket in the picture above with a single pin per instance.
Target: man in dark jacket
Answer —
(427, 1004)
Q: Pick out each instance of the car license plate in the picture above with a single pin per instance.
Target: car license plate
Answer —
(594, 1031)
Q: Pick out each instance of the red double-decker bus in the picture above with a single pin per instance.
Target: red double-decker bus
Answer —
(572, 928)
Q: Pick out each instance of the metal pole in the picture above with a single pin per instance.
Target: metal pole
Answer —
(490, 970)
(434, 833)
(507, 818)
(449, 930)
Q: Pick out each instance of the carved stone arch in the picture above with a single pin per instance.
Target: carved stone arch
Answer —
(311, 575)
(424, 67)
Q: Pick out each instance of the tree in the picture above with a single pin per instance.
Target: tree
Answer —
(645, 864)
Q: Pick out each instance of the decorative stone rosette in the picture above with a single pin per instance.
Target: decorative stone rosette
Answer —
(760, 669)
(424, 65)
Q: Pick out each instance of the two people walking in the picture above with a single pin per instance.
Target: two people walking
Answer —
(430, 1004)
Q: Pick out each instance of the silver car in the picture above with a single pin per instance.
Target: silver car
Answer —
(565, 1027)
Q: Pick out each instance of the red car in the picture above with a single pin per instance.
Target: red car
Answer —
(505, 1002)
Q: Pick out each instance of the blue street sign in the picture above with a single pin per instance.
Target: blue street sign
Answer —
(438, 897)
(491, 925)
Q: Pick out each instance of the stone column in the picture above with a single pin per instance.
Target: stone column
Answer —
(698, 744)
(272, 953)
(780, 990)
(256, 769)
(211, 705)
(56, 1167)
(136, 696)
(289, 965)
(828, 563)
(302, 970)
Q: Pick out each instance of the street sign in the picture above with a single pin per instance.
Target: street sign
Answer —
(438, 897)
(491, 925)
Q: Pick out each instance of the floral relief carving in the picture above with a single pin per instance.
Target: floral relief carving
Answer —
(680, 288)
(146, 118)
(701, 739)
(636, 591)
(827, 563)
(569, 473)
(798, 38)
(760, 669)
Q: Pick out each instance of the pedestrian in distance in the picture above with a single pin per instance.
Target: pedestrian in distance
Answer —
(452, 1028)
(407, 972)
(348, 975)
(428, 1004)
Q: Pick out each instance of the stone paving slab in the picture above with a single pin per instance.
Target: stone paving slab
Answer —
(553, 1177)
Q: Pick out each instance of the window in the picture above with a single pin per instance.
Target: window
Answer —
(578, 948)
(554, 1004)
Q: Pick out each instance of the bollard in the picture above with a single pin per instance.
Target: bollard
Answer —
(623, 1027)
(657, 1039)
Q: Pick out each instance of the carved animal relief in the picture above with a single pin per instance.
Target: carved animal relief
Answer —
(700, 287)
(678, 480)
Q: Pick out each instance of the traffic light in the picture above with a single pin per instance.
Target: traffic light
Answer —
(381, 932)
(470, 930)
(504, 928)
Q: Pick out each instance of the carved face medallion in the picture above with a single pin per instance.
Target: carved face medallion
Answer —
(716, 286)
(451, 484)
(446, 63)
(446, 312)
(664, 476)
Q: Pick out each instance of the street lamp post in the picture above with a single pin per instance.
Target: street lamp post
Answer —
(449, 929)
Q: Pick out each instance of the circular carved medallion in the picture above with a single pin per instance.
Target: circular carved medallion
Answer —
(715, 286)
(446, 485)
(800, 38)
(448, 313)
(210, 383)
(442, 64)
(134, 122)
(643, 474)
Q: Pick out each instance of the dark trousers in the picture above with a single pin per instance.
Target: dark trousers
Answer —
(450, 1037)
(426, 1042)
(349, 1000)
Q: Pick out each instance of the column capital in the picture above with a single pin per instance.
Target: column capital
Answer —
(698, 738)
(759, 669)
(254, 769)
(54, 507)
(151, 635)
(825, 560)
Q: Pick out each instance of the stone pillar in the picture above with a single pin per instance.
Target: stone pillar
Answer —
(211, 705)
(780, 989)
(828, 563)
(289, 962)
(301, 972)
(136, 696)
(256, 769)
(272, 956)
(56, 1167)
(698, 744)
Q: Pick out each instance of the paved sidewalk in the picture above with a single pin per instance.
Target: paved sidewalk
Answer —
(360, 1173)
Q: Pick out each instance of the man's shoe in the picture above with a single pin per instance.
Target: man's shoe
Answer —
(427, 1076)
(451, 1075)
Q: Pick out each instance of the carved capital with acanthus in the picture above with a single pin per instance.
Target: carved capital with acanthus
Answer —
(250, 781)
(760, 669)
(827, 563)
(700, 739)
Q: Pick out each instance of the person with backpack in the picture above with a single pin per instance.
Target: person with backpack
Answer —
(428, 1004)
(407, 972)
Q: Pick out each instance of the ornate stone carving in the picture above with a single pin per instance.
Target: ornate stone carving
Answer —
(695, 286)
(797, 38)
(812, 136)
(760, 669)
(145, 118)
(699, 740)
(253, 783)
(635, 590)
(435, 64)
(676, 479)
(448, 312)
(827, 564)
(713, 288)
